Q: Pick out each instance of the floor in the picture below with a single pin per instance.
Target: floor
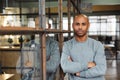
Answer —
(113, 70)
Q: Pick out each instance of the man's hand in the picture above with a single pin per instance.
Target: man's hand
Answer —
(91, 64)
(77, 74)
(28, 64)
(70, 59)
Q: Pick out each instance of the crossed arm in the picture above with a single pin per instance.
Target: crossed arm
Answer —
(87, 70)
(90, 65)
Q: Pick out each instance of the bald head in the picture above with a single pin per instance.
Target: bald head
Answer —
(81, 15)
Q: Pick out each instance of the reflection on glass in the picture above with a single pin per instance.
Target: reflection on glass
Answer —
(28, 63)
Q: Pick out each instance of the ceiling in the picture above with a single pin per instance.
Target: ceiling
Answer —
(31, 0)
(54, 3)
(94, 2)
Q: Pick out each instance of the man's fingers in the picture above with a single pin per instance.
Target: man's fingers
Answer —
(78, 74)
(69, 58)
(91, 64)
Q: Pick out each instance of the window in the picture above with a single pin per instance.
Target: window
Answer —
(102, 25)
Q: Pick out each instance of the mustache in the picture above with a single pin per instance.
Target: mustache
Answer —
(80, 30)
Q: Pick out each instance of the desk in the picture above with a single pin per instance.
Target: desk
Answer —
(5, 76)
(109, 45)
(7, 48)
(110, 48)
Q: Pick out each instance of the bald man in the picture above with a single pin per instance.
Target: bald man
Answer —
(83, 58)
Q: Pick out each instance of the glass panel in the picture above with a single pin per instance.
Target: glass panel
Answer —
(102, 25)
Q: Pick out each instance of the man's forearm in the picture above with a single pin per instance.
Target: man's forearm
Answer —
(90, 65)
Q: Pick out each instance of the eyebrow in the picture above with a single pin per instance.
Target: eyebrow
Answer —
(80, 23)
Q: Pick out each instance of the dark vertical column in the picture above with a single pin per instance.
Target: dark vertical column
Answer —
(42, 24)
(20, 8)
(43, 56)
(117, 39)
(60, 12)
(69, 19)
(1, 6)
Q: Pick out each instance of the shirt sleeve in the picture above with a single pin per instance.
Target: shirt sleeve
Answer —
(54, 60)
(68, 66)
(100, 68)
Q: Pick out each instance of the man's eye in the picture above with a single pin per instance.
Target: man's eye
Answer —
(77, 24)
(83, 24)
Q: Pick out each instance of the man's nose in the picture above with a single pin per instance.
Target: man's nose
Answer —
(80, 26)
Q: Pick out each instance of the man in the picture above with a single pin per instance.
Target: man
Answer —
(28, 64)
(82, 57)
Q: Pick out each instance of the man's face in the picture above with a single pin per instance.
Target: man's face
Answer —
(80, 26)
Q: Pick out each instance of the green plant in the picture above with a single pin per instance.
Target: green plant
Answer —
(10, 40)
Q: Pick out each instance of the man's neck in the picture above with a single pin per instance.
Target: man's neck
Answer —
(81, 39)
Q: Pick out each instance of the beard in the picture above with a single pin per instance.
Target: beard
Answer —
(82, 34)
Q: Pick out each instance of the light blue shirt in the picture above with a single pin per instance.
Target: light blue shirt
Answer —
(82, 53)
